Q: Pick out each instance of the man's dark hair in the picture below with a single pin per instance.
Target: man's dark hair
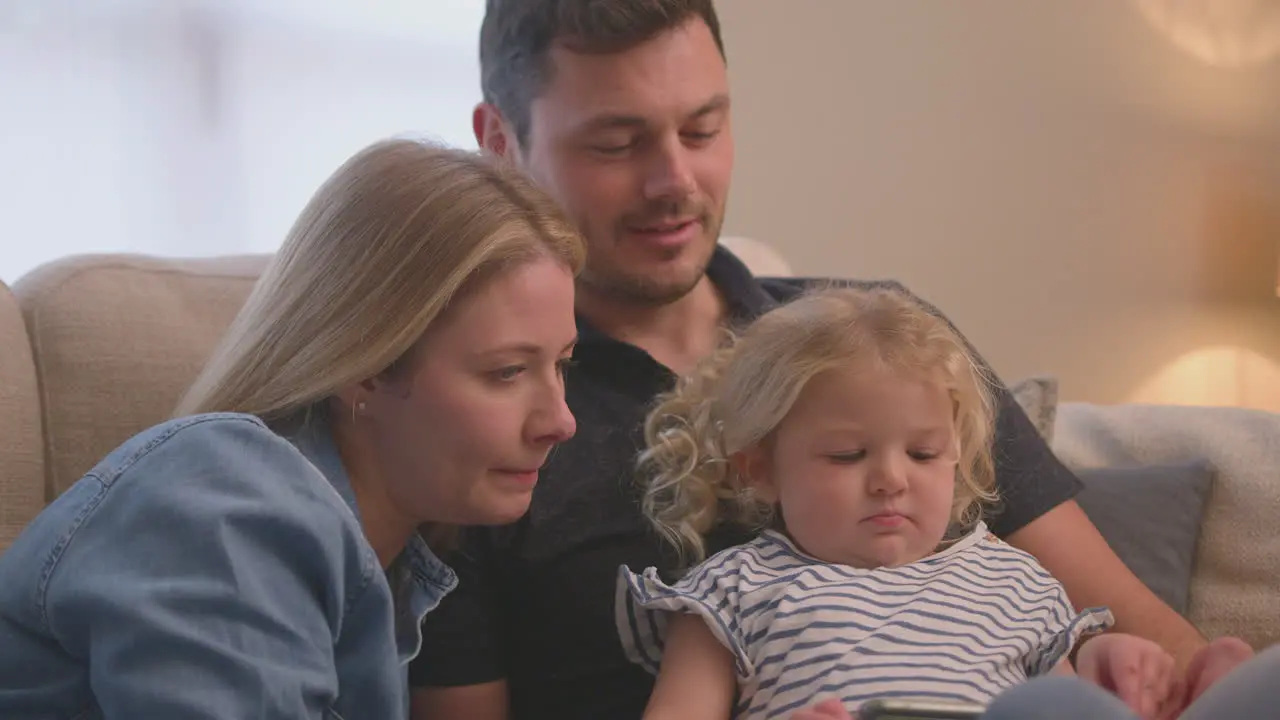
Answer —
(517, 36)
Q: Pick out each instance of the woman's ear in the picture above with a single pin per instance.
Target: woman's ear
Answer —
(350, 401)
(753, 466)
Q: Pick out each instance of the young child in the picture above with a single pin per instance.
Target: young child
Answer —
(855, 428)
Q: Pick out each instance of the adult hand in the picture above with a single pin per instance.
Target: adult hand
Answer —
(1212, 662)
(1137, 671)
(831, 709)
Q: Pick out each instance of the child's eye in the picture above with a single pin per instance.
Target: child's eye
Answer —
(923, 455)
(847, 457)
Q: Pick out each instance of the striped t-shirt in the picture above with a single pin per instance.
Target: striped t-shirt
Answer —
(960, 625)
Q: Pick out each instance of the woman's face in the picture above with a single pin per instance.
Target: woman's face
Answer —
(460, 437)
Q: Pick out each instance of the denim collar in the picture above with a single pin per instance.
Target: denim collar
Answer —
(418, 579)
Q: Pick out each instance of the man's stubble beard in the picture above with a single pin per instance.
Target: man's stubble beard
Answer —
(638, 289)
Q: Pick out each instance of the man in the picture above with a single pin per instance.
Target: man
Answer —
(621, 110)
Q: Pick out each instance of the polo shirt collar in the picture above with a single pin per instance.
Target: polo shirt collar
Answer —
(745, 296)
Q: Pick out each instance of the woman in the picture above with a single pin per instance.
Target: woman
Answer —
(396, 372)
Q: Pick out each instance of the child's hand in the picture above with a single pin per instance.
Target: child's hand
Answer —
(1212, 662)
(826, 710)
(1137, 671)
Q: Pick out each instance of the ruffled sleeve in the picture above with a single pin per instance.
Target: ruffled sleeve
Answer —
(710, 591)
(1062, 637)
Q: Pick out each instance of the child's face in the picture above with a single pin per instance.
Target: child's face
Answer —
(864, 468)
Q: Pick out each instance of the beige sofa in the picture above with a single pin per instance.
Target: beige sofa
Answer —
(95, 348)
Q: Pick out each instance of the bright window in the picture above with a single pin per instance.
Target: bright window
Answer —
(201, 127)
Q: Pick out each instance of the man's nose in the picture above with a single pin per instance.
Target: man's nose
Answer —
(670, 175)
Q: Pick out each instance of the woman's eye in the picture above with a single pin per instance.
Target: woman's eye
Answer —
(563, 365)
(507, 374)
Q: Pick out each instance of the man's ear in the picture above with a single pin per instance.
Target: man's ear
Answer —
(754, 468)
(493, 133)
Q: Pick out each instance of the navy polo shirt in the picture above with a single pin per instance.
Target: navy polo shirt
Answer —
(535, 600)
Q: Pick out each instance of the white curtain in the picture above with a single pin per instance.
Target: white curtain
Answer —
(201, 127)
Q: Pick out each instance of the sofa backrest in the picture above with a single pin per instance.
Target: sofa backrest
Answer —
(1236, 582)
(22, 469)
(116, 340)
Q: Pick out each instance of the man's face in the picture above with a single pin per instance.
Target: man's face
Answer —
(637, 147)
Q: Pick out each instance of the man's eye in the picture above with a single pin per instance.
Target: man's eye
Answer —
(611, 149)
(701, 137)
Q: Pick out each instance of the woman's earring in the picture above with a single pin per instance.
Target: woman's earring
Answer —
(357, 407)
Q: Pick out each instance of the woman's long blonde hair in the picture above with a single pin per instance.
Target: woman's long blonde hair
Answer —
(394, 236)
(737, 398)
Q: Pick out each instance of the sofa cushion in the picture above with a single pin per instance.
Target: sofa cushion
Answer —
(1038, 397)
(1151, 515)
(116, 341)
(761, 258)
(1236, 583)
(22, 474)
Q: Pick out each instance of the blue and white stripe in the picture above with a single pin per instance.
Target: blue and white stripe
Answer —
(960, 625)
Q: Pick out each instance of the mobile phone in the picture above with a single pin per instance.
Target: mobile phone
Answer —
(918, 710)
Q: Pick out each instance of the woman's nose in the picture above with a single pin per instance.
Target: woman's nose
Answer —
(555, 423)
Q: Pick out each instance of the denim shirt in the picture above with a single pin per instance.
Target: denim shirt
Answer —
(210, 568)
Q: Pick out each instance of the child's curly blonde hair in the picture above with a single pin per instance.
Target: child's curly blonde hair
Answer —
(737, 398)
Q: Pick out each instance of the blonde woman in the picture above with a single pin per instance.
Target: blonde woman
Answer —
(854, 427)
(264, 554)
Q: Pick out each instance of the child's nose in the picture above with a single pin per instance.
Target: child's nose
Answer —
(888, 477)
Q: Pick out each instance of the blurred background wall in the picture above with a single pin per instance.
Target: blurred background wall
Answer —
(1091, 189)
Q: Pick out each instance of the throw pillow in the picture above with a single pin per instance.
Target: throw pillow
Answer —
(1150, 516)
(1038, 397)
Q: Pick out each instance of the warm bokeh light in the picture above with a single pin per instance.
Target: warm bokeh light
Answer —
(1223, 33)
(1216, 376)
